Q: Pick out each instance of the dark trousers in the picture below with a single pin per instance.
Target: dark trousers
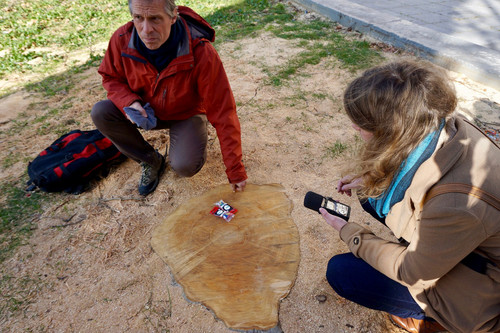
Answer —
(355, 280)
(188, 138)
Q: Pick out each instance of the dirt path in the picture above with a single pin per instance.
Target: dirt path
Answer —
(89, 266)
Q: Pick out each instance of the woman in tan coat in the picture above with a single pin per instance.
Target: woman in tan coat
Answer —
(434, 180)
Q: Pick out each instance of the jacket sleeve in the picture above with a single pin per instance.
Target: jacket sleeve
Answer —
(218, 101)
(444, 236)
(113, 74)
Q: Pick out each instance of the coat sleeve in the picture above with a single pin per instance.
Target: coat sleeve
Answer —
(112, 70)
(443, 237)
(218, 101)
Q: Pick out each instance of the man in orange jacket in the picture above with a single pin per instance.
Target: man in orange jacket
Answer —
(162, 72)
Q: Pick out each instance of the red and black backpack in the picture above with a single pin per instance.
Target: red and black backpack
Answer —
(72, 161)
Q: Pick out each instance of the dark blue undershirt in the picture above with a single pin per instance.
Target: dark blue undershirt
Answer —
(162, 56)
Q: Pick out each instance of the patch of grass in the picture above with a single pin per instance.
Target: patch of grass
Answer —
(353, 55)
(238, 19)
(17, 125)
(307, 128)
(12, 159)
(335, 150)
(67, 105)
(53, 85)
(296, 99)
(320, 96)
(62, 83)
(322, 40)
(17, 210)
(58, 128)
(17, 292)
(37, 34)
(304, 30)
(49, 115)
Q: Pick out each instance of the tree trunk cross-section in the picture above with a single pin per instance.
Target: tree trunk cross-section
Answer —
(239, 269)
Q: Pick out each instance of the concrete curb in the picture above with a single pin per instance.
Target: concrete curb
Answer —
(477, 62)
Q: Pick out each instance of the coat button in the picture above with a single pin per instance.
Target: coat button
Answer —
(356, 240)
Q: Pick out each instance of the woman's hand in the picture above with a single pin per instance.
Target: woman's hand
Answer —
(348, 183)
(336, 222)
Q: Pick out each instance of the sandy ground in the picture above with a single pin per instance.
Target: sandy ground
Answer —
(89, 266)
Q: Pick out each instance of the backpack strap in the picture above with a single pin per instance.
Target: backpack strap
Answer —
(474, 261)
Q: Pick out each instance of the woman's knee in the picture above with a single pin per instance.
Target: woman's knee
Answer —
(336, 273)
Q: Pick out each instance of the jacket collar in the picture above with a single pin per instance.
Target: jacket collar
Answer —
(183, 61)
(403, 215)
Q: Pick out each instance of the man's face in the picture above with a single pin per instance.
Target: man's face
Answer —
(152, 22)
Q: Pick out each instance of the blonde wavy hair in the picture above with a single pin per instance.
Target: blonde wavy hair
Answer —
(399, 103)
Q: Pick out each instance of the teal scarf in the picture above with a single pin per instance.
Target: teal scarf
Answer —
(402, 179)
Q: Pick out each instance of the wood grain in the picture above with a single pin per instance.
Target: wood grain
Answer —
(239, 269)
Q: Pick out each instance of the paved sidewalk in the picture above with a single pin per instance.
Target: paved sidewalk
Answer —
(461, 35)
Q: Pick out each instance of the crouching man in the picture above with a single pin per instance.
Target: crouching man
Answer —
(161, 72)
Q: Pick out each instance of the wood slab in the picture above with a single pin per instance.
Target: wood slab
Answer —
(239, 269)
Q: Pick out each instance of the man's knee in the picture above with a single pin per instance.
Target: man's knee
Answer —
(101, 110)
(97, 112)
(186, 168)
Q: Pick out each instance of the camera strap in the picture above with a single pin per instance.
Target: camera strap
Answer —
(474, 261)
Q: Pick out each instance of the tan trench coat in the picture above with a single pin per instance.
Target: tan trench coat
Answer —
(444, 231)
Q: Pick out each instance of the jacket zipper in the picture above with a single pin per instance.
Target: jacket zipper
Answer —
(164, 100)
(164, 95)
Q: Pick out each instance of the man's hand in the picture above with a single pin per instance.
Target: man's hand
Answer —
(348, 183)
(336, 222)
(239, 187)
(137, 105)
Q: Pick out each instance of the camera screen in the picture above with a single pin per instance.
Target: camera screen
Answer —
(342, 209)
(331, 205)
(337, 207)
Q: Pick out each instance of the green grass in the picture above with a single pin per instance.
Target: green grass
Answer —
(36, 35)
(17, 292)
(352, 54)
(336, 149)
(62, 83)
(320, 38)
(17, 211)
(12, 159)
(320, 96)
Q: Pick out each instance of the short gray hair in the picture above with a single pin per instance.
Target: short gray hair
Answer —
(169, 7)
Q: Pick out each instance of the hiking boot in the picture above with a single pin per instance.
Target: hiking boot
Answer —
(417, 325)
(150, 176)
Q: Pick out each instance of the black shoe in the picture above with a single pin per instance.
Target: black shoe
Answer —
(150, 176)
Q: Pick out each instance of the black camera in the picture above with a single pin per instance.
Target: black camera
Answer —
(315, 201)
